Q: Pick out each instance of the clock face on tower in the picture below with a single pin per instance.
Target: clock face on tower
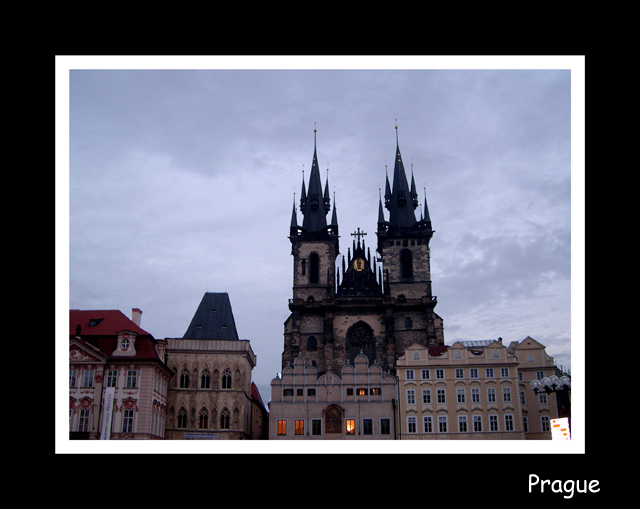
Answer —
(358, 264)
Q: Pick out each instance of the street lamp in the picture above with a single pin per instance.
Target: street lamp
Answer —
(551, 384)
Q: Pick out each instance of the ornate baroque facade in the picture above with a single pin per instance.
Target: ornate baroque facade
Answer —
(117, 377)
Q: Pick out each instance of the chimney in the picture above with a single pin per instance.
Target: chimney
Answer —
(136, 314)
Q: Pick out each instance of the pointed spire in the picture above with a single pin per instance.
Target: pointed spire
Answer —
(426, 209)
(294, 217)
(380, 209)
(334, 216)
(414, 193)
(315, 219)
(401, 210)
(303, 194)
(327, 200)
(387, 187)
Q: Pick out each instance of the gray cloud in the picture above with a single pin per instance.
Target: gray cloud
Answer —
(182, 182)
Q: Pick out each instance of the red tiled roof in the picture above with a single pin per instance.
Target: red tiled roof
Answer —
(100, 329)
(109, 322)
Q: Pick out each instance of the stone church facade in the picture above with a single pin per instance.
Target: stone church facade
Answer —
(370, 307)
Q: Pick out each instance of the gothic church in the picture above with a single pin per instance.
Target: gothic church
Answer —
(377, 309)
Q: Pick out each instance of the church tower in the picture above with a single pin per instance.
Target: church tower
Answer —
(359, 305)
(403, 244)
(314, 246)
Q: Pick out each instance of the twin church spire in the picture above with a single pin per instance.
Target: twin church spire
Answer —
(400, 200)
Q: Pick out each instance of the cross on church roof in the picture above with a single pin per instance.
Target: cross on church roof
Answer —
(358, 234)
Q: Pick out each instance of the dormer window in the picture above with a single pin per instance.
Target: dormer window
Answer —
(124, 345)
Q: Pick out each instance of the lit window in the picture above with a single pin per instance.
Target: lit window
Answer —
(282, 427)
(351, 427)
(299, 427)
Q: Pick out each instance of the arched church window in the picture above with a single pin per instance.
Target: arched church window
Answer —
(205, 379)
(224, 418)
(312, 344)
(203, 422)
(226, 379)
(182, 418)
(360, 339)
(406, 263)
(184, 378)
(314, 268)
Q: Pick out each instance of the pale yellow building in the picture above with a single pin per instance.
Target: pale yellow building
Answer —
(466, 391)
(357, 403)
(538, 410)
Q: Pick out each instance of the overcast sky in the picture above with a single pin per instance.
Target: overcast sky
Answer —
(181, 181)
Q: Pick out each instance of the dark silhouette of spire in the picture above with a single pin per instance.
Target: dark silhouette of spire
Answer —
(316, 205)
(401, 201)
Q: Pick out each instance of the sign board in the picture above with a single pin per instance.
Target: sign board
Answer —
(109, 394)
(560, 429)
(200, 436)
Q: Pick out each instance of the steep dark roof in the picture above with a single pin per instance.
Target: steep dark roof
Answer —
(213, 319)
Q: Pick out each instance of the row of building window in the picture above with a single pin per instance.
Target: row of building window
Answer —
(476, 424)
(461, 395)
(384, 427)
(425, 374)
(205, 379)
(359, 391)
(203, 419)
(88, 379)
(84, 414)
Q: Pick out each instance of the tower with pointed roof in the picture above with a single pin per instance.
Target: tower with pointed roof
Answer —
(314, 244)
(352, 318)
(360, 305)
(403, 245)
